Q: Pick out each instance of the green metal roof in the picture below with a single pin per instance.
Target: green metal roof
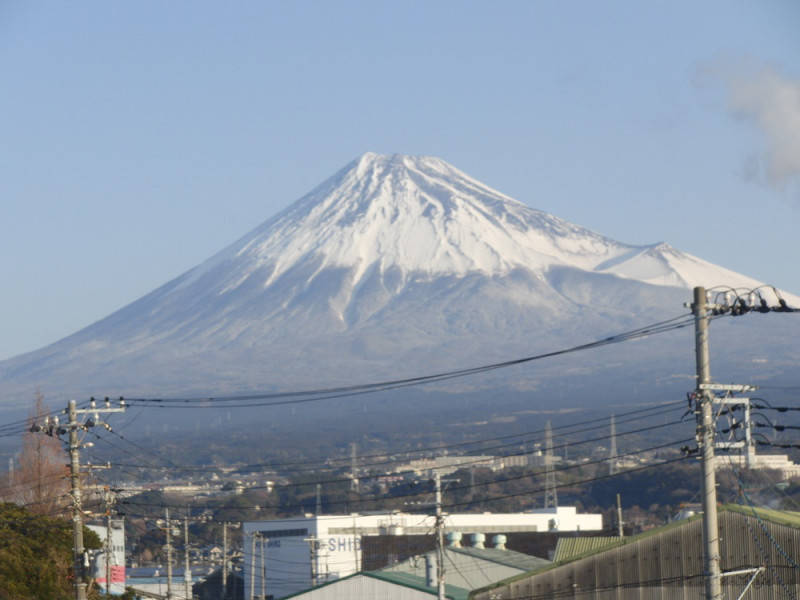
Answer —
(418, 583)
(403, 579)
(509, 558)
(472, 568)
(570, 547)
(779, 517)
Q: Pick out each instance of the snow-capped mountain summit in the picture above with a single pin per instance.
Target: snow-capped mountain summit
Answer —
(418, 214)
(407, 218)
(394, 266)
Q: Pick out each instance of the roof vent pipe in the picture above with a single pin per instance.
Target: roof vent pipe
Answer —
(477, 540)
(454, 539)
(499, 542)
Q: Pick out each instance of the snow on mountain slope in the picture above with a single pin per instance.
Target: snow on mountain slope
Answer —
(661, 264)
(421, 215)
(417, 214)
(396, 264)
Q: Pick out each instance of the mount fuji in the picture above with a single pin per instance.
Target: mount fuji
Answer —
(399, 266)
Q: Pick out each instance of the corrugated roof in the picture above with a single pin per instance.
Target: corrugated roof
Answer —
(570, 547)
(402, 579)
(780, 517)
(419, 583)
(472, 568)
(616, 546)
(509, 558)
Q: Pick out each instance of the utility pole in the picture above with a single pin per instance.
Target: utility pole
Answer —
(168, 548)
(550, 490)
(77, 512)
(52, 427)
(110, 501)
(619, 516)
(736, 304)
(440, 587)
(224, 560)
(312, 545)
(253, 570)
(108, 555)
(356, 549)
(264, 542)
(187, 570)
(353, 468)
(613, 464)
(705, 440)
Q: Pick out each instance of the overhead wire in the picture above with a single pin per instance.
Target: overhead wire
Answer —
(425, 492)
(315, 466)
(294, 397)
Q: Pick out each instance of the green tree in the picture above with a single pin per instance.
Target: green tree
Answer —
(36, 555)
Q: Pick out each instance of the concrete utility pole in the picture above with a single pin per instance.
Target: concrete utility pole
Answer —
(440, 587)
(52, 427)
(312, 545)
(224, 560)
(168, 548)
(187, 570)
(353, 468)
(110, 556)
(253, 571)
(77, 512)
(264, 542)
(613, 463)
(705, 440)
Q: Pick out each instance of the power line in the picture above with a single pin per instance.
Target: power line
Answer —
(317, 465)
(295, 397)
(358, 501)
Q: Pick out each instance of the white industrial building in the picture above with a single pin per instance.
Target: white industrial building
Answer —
(777, 462)
(286, 556)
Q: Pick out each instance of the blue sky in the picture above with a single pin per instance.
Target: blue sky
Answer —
(140, 138)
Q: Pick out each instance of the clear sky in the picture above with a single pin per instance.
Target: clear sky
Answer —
(140, 138)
